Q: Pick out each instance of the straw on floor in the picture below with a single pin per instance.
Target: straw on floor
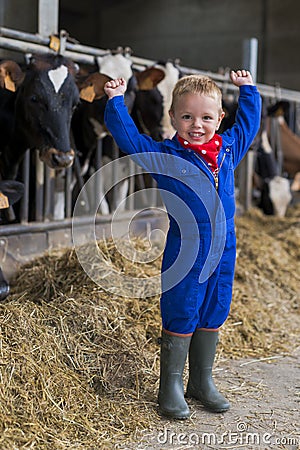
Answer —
(79, 365)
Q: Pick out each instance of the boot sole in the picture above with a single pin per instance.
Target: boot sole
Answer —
(207, 406)
(173, 415)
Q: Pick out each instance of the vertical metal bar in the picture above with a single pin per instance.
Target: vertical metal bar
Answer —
(80, 181)
(292, 116)
(49, 193)
(98, 165)
(39, 188)
(246, 168)
(115, 155)
(48, 17)
(154, 193)
(24, 206)
(250, 52)
(63, 42)
(131, 189)
(297, 119)
(68, 192)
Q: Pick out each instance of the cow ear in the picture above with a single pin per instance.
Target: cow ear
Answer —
(92, 88)
(11, 75)
(149, 78)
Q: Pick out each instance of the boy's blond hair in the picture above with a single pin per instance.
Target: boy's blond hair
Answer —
(196, 84)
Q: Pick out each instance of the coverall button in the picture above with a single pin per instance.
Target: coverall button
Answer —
(227, 149)
(183, 170)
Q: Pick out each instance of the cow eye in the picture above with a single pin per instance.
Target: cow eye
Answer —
(34, 98)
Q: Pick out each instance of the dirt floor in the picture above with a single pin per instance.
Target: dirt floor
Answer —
(264, 414)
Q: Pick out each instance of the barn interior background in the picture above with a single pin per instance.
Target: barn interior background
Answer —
(202, 35)
(79, 366)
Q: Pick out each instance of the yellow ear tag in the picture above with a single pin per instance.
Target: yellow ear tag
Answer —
(88, 94)
(54, 43)
(9, 84)
(4, 203)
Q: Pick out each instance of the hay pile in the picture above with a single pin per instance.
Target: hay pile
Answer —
(264, 318)
(79, 366)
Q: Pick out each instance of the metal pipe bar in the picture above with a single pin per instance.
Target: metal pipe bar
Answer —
(32, 227)
(24, 36)
(45, 41)
(86, 55)
(29, 47)
(23, 46)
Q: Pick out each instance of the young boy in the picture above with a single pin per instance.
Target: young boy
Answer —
(195, 172)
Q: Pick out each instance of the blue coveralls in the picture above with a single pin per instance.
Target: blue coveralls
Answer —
(197, 276)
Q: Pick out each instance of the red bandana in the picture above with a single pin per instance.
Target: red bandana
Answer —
(208, 151)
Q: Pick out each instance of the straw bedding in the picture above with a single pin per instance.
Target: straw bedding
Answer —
(79, 366)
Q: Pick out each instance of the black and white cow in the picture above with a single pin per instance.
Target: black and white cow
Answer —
(36, 107)
(275, 190)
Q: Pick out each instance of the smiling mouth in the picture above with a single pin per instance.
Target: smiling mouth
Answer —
(196, 135)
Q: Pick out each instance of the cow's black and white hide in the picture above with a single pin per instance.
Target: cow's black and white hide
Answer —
(274, 190)
(36, 107)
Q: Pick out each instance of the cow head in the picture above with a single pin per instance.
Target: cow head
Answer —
(45, 98)
(153, 100)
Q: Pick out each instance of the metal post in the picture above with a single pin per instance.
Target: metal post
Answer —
(250, 47)
(49, 193)
(24, 209)
(48, 17)
(250, 51)
(99, 190)
(68, 192)
(39, 188)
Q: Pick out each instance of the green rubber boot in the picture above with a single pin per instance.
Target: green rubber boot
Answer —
(201, 358)
(174, 350)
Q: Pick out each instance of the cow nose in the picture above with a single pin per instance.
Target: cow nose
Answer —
(63, 159)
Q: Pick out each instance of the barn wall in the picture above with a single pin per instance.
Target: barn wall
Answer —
(14, 14)
(194, 31)
(203, 34)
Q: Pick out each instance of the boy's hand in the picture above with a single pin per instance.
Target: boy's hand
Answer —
(241, 77)
(115, 87)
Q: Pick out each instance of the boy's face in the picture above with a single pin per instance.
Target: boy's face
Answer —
(196, 117)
